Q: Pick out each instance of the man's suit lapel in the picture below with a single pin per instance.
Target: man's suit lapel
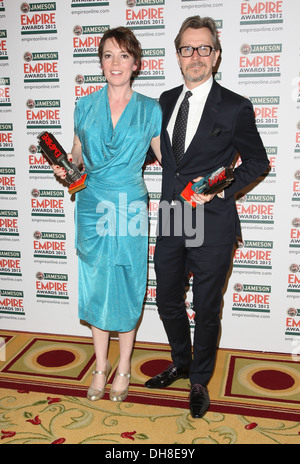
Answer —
(170, 105)
(167, 113)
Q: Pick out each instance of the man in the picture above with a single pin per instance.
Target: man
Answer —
(220, 124)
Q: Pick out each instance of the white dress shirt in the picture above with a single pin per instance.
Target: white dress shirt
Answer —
(197, 102)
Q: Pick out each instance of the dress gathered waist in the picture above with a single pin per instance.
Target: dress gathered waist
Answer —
(124, 183)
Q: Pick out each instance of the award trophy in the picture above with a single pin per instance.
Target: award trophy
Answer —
(215, 182)
(57, 155)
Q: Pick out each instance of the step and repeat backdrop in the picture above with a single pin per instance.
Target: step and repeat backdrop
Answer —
(48, 60)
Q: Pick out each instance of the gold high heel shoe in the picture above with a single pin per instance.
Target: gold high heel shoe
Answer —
(119, 395)
(95, 394)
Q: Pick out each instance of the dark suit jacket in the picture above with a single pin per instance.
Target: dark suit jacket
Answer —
(227, 126)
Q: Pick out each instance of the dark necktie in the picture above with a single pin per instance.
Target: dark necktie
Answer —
(179, 132)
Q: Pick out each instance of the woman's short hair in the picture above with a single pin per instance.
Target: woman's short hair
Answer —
(126, 40)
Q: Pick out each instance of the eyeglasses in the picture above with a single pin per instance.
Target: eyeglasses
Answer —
(203, 50)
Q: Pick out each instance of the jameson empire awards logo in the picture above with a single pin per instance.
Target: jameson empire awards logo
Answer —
(150, 297)
(5, 91)
(256, 209)
(154, 204)
(47, 203)
(86, 40)
(87, 84)
(272, 153)
(38, 18)
(153, 168)
(3, 45)
(251, 298)
(296, 186)
(6, 137)
(43, 114)
(41, 67)
(10, 263)
(260, 60)
(8, 181)
(11, 302)
(149, 16)
(295, 234)
(153, 64)
(38, 164)
(261, 13)
(9, 225)
(151, 249)
(254, 254)
(49, 245)
(266, 111)
(294, 279)
(50, 285)
(293, 322)
(132, 3)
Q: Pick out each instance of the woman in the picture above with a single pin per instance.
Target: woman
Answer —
(113, 131)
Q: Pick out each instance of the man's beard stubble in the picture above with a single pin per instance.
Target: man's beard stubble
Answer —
(192, 77)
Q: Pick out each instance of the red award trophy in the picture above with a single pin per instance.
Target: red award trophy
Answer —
(215, 182)
(57, 155)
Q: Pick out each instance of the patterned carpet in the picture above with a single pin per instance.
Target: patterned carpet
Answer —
(40, 373)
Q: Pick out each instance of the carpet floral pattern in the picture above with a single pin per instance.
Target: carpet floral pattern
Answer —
(255, 397)
(37, 418)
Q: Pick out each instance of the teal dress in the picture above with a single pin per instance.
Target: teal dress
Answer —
(111, 213)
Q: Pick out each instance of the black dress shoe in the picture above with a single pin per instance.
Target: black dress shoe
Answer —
(167, 377)
(199, 401)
